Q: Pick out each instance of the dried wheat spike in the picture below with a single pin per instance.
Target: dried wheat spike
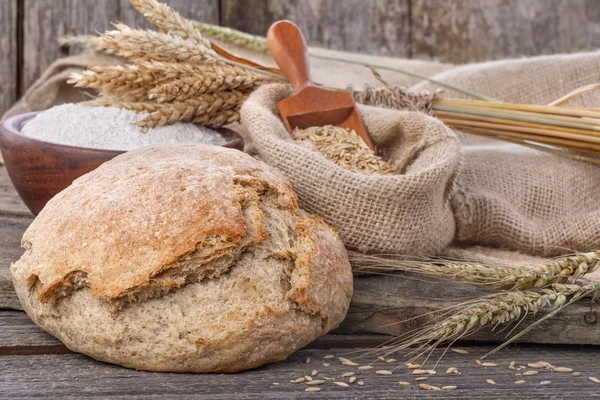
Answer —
(149, 45)
(493, 310)
(207, 79)
(169, 21)
(126, 83)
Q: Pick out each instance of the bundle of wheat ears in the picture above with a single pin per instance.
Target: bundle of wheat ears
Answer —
(174, 75)
(178, 75)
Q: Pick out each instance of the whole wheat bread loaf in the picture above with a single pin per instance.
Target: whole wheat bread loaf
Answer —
(182, 258)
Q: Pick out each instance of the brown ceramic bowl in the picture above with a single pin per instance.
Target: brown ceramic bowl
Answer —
(39, 170)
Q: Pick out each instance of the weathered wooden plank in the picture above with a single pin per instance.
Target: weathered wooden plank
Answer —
(10, 202)
(11, 231)
(461, 31)
(47, 20)
(20, 336)
(8, 54)
(374, 27)
(59, 376)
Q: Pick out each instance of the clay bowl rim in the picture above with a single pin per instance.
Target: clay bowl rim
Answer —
(14, 124)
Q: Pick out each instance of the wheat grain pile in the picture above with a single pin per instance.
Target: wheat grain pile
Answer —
(344, 147)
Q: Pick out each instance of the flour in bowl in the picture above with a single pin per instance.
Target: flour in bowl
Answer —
(110, 128)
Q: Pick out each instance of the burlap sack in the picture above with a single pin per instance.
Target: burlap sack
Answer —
(408, 213)
(516, 198)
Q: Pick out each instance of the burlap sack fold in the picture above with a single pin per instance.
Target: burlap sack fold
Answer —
(516, 198)
(407, 213)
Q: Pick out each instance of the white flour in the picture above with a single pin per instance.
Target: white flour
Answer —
(110, 128)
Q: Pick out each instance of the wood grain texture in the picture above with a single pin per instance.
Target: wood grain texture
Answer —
(19, 335)
(374, 27)
(460, 31)
(60, 376)
(8, 54)
(10, 202)
(47, 20)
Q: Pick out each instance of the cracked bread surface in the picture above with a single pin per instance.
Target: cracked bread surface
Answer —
(183, 258)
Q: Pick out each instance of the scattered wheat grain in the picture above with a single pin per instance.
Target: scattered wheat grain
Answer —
(361, 383)
(391, 361)
(545, 382)
(365, 367)
(347, 374)
(315, 382)
(491, 382)
(326, 364)
(383, 372)
(530, 373)
(576, 374)
(460, 351)
(352, 379)
(314, 373)
(312, 389)
(403, 383)
(421, 378)
(519, 382)
(562, 369)
(342, 384)
(328, 356)
(488, 364)
(449, 387)
(593, 379)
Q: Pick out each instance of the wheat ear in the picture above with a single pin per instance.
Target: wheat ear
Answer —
(214, 108)
(492, 310)
(169, 21)
(150, 45)
(207, 79)
(557, 271)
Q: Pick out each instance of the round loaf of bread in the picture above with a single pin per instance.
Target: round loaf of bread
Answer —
(183, 258)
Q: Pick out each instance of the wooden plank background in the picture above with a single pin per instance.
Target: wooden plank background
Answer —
(455, 31)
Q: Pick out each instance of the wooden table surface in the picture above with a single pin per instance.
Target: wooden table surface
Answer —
(34, 364)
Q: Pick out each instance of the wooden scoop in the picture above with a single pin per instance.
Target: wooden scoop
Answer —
(310, 105)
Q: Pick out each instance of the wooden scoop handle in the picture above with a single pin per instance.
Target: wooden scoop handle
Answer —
(288, 48)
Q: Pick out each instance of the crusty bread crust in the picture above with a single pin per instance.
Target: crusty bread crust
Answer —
(183, 258)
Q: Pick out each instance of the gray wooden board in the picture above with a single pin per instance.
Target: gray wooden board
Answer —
(10, 202)
(374, 27)
(18, 335)
(460, 31)
(59, 376)
(8, 54)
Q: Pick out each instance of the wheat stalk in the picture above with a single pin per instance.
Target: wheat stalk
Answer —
(252, 42)
(503, 277)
